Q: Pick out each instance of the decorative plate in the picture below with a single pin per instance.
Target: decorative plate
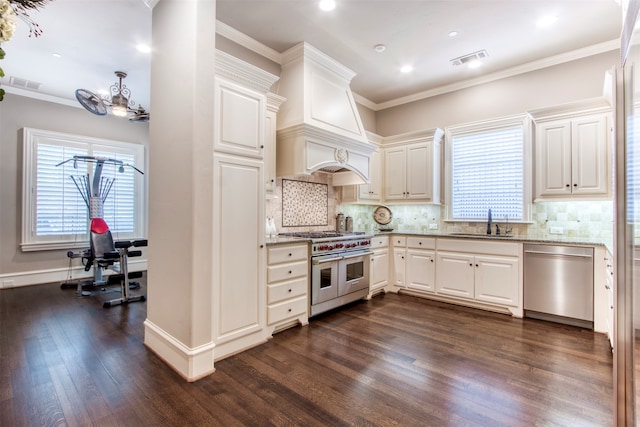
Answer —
(382, 215)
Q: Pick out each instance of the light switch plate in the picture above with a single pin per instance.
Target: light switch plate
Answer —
(556, 230)
(433, 226)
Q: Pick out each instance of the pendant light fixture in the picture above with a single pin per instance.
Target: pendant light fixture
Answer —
(120, 101)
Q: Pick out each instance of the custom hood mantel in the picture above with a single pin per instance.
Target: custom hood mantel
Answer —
(318, 127)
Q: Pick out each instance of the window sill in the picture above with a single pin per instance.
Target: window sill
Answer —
(53, 246)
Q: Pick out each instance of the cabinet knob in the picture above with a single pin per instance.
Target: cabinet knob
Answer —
(470, 265)
(290, 272)
(575, 185)
(289, 290)
(568, 186)
(476, 265)
(290, 254)
(261, 246)
(419, 243)
(289, 310)
(607, 287)
(431, 260)
(262, 146)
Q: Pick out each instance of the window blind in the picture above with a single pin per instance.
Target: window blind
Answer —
(120, 206)
(487, 173)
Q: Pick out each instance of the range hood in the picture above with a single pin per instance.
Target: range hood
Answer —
(318, 127)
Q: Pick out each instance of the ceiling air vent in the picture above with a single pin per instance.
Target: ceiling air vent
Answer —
(475, 56)
(24, 84)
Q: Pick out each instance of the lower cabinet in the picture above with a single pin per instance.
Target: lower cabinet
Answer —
(379, 265)
(485, 271)
(414, 263)
(287, 286)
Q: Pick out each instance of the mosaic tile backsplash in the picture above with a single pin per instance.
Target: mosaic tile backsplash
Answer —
(580, 219)
(304, 203)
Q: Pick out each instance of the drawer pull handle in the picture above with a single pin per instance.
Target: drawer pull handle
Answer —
(607, 287)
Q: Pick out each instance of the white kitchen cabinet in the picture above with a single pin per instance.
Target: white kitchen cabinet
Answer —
(573, 157)
(414, 264)
(480, 270)
(371, 192)
(240, 118)
(239, 267)
(455, 274)
(287, 286)
(238, 212)
(379, 265)
(273, 104)
(412, 168)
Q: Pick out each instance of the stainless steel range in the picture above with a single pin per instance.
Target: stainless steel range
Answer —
(339, 268)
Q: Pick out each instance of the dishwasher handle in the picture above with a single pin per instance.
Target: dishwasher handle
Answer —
(529, 251)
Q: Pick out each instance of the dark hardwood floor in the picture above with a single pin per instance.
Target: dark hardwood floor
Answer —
(394, 360)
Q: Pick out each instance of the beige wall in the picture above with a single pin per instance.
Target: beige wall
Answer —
(572, 81)
(17, 112)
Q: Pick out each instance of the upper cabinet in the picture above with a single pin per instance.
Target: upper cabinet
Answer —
(371, 192)
(412, 167)
(573, 154)
(241, 99)
(273, 105)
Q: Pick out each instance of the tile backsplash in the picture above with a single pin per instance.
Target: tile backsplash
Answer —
(574, 219)
(579, 219)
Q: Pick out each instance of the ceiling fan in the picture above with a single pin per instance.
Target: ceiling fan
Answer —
(120, 103)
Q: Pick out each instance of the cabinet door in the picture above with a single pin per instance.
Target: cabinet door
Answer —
(455, 274)
(497, 280)
(379, 269)
(373, 190)
(239, 294)
(421, 270)
(239, 120)
(270, 152)
(589, 155)
(395, 173)
(553, 159)
(399, 266)
(419, 172)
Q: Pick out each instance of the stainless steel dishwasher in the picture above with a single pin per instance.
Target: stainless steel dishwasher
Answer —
(558, 284)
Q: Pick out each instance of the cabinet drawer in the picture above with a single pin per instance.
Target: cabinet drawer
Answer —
(399, 241)
(280, 254)
(286, 309)
(421, 242)
(285, 290)
(287, 271)
(379, 242)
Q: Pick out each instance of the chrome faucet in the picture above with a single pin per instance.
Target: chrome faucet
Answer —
(507, 230)
(489, 222)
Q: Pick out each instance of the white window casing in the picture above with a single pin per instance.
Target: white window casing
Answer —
(488, 165)
(54, 215)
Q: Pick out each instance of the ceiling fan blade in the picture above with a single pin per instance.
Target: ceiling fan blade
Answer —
(91, 102)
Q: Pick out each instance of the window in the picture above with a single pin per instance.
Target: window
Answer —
(55, 214)
(489, 167)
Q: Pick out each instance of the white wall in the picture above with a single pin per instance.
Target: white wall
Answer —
(17, 112)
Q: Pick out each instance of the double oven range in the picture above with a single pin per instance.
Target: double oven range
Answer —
(339, 268)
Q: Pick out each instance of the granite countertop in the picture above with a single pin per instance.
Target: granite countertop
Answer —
(283, 240)
(563, 240)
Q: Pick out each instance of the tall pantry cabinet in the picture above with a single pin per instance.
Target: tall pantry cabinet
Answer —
(239, 253)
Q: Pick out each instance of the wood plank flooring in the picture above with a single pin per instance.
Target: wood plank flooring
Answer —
(395, 360)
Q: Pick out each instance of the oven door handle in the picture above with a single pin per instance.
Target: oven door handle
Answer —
(322, 261)
(357, 255)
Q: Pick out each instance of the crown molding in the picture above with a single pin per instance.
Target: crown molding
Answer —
(245, 41)
(509, 72)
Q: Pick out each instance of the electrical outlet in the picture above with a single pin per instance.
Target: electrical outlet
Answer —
(556, 230)
(8, 284)
(433, 226)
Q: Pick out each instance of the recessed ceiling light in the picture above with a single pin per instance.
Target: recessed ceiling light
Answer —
(406, 69)
(143, 48)
(379, 48)
(453, 33)
(56, 55)
(546, 21)
(476, 63)
(327, 5)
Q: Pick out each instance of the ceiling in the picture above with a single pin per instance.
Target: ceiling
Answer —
(97, 37)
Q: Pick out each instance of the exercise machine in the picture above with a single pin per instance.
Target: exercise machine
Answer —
(103, 252)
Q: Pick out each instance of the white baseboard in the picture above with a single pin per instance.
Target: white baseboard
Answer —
(38, 277)
(191, 363)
